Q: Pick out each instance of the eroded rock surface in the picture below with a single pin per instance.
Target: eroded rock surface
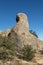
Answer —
(5, 33)
(21, 35)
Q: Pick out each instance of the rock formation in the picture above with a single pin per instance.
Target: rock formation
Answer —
(21, 35)
(5, 33)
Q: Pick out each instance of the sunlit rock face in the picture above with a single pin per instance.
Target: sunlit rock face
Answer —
(22, 19)
(21, 35)
(22, 23)
(5, 33)
(20, 31)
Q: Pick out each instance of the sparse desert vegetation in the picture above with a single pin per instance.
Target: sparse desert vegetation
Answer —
(7, 48)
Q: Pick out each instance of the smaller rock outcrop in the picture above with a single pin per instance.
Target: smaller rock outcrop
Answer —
(5, 33)
(21, 35)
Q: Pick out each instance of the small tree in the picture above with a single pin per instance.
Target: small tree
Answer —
(28, 52)
(34, 33)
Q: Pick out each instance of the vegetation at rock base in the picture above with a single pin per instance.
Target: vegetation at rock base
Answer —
(34, 33)
(28, 52)
(7, 48)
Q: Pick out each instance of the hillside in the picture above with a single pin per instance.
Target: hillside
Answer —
(20, 47)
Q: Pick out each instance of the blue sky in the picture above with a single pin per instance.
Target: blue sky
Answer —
(33, 9)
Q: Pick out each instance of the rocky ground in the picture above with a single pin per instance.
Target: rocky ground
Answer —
(38, 60)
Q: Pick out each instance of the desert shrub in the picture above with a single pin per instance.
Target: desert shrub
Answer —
(3, 54)
(28, 52)
(7, 47)
(34, 33)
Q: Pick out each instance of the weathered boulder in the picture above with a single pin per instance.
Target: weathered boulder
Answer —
(6, 32)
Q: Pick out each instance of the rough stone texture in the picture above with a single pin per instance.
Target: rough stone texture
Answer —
(22, 62)
(37, 61)
(17, 61)
(21, 35)
(5, 33)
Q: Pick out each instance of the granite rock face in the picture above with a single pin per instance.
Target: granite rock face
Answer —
(21, 35)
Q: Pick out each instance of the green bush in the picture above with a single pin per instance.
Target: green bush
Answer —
(4, 54)
(28, 52)
(7, 47)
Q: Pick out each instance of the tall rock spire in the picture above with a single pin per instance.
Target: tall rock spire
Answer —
(21, 35)
(22, 23)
